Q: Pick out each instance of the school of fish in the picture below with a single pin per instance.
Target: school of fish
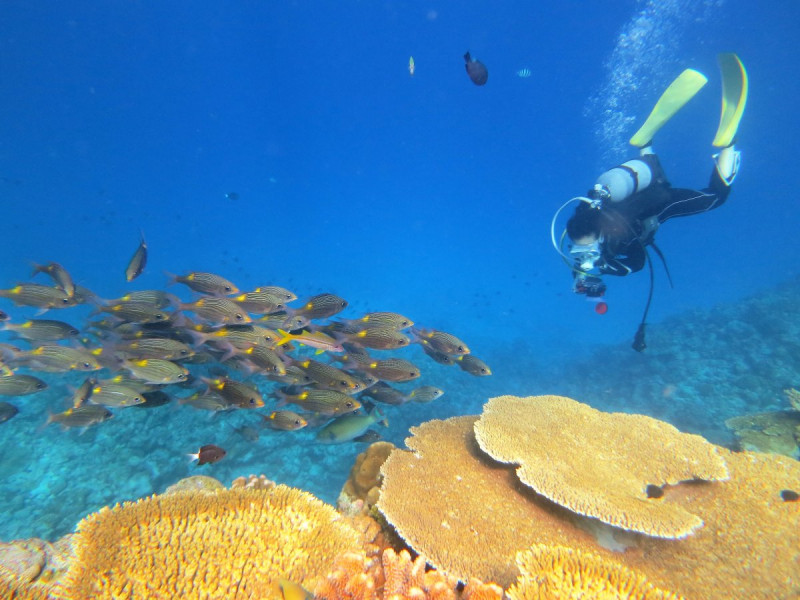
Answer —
(223, 349)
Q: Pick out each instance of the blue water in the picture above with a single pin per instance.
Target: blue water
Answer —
(424, 195)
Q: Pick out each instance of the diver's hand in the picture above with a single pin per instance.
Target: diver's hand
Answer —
(592, 286)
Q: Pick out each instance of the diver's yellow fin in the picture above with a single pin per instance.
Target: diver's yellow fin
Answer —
(734, 98)
(679, 92)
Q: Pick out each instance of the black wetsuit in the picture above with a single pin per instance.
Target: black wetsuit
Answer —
(630, 225)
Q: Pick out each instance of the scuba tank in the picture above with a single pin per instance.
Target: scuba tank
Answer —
(631, 177)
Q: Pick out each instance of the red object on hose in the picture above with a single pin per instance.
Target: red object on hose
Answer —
(601, 308)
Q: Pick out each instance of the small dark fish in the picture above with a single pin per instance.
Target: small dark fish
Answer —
(208, 454)
(385, 394)
(440, 357)
(20, 385)
(59, 274)
(7, 411)
(369, 436)
(473, 365)
(4, 316)
(154, 399)
(789, 496)
(138, 261)
(476, 70)
(285, 420)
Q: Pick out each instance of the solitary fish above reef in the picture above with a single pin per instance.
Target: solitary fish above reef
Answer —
(137, 262)
(349, 427)
(208, 454)
(59, 274)
(476, 70)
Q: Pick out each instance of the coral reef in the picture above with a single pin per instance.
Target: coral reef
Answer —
(232, 544)
(29, 569)
(476, 515)
(258, 482)
(558, 573)
(602, 464)
(360, 491)
(195, 483)
(777, 432)
(357, 577)
(793, 396)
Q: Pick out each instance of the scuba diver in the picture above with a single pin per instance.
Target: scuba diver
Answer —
(615, 223)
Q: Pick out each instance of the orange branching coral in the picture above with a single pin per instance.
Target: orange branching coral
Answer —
(409, 579)
(558, 573)
(231, 544)
(599, 464)
(477, 590)
(353, 577)
(365, 478)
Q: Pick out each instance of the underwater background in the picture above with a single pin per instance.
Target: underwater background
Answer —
(288, 144)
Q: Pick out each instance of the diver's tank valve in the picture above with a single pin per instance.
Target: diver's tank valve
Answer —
(623, 181)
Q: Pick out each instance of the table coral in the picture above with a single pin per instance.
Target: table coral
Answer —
(599, 464)
(469, 516)
(232, 544)
(558, 573)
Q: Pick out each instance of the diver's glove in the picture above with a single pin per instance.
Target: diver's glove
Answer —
(728, 161)
(590, 285)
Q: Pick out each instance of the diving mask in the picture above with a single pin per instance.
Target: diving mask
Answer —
(587, 255)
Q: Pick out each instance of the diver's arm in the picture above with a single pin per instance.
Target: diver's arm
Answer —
(630, 260)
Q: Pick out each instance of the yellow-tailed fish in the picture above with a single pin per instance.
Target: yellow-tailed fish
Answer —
(329, 377)
(320, 306)
(425, 393)
(259, 303)
(156, 370)
(164, 348)
(115, 395)
(442, 341)
(280, 292)
(59, 275)
(392, 369)
(206, 283)
(285, 420)
(206, 401)
(54, 358)
(217, 310)
(42, 330)
(324, 402)
(138, 261)
(39, 296)
(316, 339)
(265, 359)
(383, 319)
(380, 338)
(136, 312)
(347, 427)
(235, 392)
(155, 298)
(81, 416)
(385, 394)
(473, 365)
(20, 385)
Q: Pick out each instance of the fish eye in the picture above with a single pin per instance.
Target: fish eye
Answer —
(41, 386)
(87, 365)
(181, 376)
(227, 288)
(461, 348)
(349, 405)
(160, 316)
(239, 317)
